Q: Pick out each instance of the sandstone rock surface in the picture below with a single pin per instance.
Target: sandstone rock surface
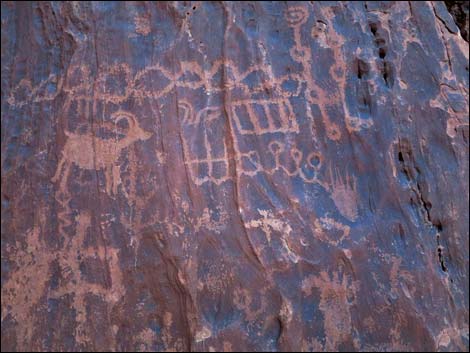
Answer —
(234, 176)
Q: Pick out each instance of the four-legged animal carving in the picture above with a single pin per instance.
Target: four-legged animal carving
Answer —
(94, 153)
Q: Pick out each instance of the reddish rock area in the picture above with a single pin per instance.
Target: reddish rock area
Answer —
(234, 176)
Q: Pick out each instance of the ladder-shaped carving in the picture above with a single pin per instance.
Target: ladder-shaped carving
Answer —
(204, 145)
(257, 117)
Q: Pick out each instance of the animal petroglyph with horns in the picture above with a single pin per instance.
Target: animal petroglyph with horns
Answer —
(93, 153)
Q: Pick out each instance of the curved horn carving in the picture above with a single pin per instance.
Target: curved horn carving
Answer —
(120, 115)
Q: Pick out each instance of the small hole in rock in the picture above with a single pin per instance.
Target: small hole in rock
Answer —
(382, 53)
(373, 28)
(441, 259)
(400, 157)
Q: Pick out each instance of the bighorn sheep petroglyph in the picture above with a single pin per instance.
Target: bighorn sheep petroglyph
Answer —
(93, 153)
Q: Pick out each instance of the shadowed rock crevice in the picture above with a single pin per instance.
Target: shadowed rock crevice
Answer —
(460, 12)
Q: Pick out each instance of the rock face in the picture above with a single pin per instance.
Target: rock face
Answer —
(235, 176)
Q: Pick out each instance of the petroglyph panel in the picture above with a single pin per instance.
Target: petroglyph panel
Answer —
(234, 176)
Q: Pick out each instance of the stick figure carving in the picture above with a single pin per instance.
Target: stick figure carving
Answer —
(93, 153)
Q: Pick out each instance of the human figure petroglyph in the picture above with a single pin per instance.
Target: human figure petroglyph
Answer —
(27, 286)
(253, 110)
(264, 116)
(92, 153)
(332, 39)
(117, 83)
(326, 37)
(107, 257)
(270, 224)
(314, 94)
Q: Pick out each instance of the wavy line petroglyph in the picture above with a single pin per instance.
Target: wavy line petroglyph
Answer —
(92, 153)
(261, 110)
(156, 81)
